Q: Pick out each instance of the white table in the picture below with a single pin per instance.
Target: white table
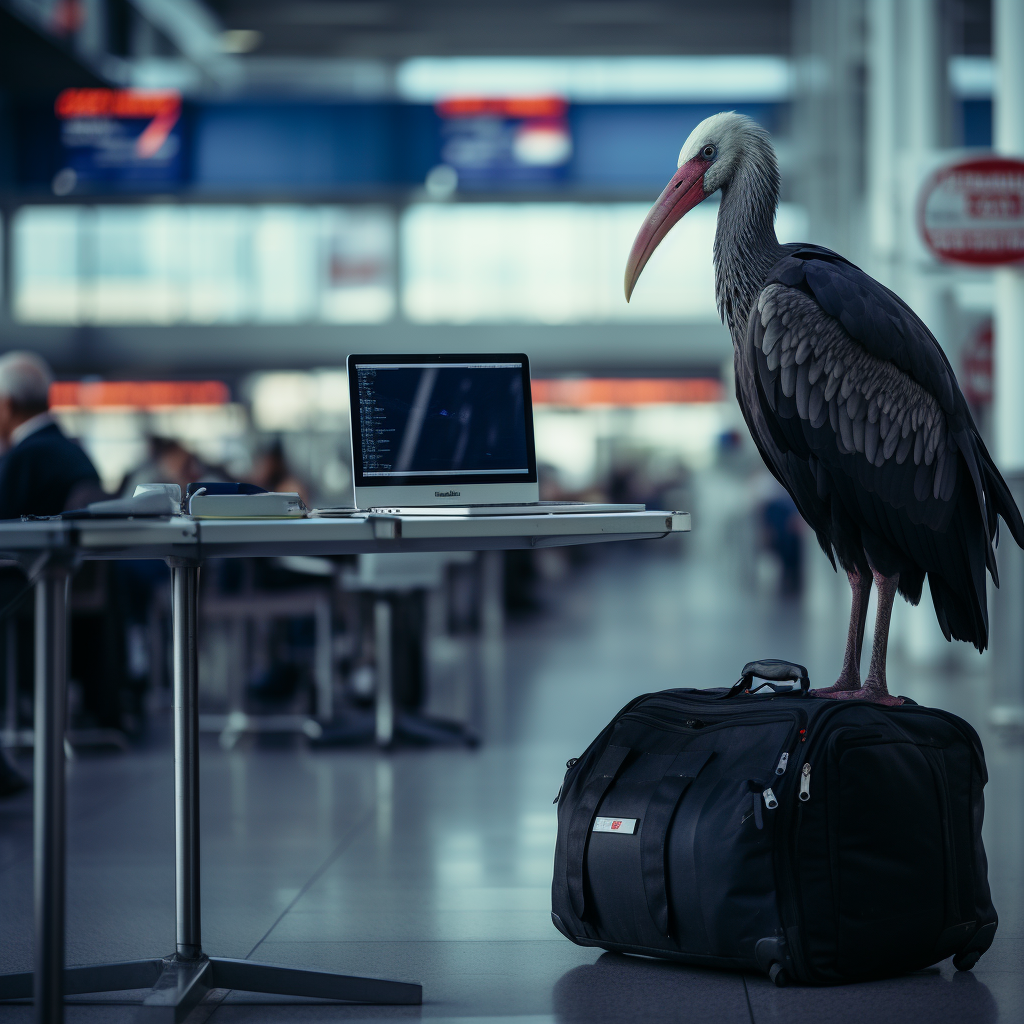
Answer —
(50, 550)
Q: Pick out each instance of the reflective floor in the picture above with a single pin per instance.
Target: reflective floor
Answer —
(434, 866)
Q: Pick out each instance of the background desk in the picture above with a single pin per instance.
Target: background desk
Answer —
(49, 550)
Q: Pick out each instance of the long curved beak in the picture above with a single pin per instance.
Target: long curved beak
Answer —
(682, 194)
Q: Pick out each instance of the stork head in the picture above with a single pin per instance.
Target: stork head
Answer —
(708, 161)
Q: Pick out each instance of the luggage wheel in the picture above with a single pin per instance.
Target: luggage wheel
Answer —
(771, 956)
(975, 949)
(966, 961)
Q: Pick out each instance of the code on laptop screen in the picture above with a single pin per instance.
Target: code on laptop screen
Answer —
(436, 420)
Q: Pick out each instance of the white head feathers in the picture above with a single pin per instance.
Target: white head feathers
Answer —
(734, 137)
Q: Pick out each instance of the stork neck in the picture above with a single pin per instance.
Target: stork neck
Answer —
(746, 246)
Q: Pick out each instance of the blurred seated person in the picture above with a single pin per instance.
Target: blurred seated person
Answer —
(42, 473)
(169, 462)
(271, 471)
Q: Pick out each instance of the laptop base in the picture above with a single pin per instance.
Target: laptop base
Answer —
(498, 509)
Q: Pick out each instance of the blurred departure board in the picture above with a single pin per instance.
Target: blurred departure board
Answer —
(494, 142)
(119, 136)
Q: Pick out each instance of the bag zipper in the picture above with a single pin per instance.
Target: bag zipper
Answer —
(794, 731)
(805, 782)
(682, 722)
(702, 712)
(786, 829)
(946, 822)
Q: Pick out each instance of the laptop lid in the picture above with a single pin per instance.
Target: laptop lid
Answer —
(441, 429)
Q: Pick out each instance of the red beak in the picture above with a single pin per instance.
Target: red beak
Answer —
(682, 194)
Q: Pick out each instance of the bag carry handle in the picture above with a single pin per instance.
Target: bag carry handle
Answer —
(772, 670)
(654, 832)
(601, 777)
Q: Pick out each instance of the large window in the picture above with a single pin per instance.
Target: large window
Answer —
(557, 263)
(526, 262)
(162, 264)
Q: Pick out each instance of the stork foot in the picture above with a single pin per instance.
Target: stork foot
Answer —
(874, 694)
(845, 686)
(837, 690)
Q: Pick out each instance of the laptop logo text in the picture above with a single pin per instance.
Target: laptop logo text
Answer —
(447, 494)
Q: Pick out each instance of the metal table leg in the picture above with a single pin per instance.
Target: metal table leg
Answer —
(48, 813)
(185, 615)
(181, 980)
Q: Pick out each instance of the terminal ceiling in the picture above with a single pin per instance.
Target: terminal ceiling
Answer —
(396, 29)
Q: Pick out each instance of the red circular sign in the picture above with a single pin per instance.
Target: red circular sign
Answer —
(973, 212)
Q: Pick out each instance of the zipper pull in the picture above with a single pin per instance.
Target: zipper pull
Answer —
(568, 765)
(780, 768)
(805, 782)
(770, 800)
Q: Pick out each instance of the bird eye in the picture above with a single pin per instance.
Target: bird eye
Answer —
(708, 152)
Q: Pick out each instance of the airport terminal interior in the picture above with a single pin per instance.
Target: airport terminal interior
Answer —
(207, 206)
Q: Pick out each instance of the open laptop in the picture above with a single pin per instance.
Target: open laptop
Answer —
(447, 434)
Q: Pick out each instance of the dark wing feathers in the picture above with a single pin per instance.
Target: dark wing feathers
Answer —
(868, 430)
(888, 328)
(858, 387)
(878, 318)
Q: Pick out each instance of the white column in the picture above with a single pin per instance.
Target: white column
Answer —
(882, 104)
(922, 95)
(926, 85)
(1008, 34)
(922, 90)
(1008, 379)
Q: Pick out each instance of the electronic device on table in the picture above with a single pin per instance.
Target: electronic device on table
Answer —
(214, 499)
(447, 435)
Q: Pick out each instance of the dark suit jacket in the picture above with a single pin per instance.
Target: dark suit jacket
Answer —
(38, 475)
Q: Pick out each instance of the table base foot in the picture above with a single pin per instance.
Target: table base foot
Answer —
(91, 978)
(248, 976)
(178, 985)
(177, 991)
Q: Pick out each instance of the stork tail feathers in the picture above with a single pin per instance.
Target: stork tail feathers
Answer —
(1002, 502)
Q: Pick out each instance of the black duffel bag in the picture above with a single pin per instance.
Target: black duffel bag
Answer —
(820, 841)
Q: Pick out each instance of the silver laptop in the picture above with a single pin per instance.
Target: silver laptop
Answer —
(447, 434)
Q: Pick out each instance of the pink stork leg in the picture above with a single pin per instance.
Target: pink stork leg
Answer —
(874, 688)
(849, 678)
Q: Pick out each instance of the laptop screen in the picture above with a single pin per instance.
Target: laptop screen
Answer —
(441, 419)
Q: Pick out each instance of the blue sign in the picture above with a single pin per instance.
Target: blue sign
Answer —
(121, 135)
(496, 142)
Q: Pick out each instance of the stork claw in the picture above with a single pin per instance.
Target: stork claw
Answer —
(874, 694)
(841, 688)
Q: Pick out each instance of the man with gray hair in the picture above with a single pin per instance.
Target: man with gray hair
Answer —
(42, 472)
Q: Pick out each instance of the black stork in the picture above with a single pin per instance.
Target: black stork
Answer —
(850, 401)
